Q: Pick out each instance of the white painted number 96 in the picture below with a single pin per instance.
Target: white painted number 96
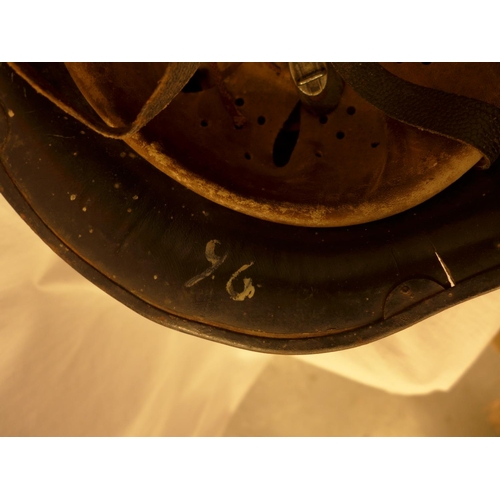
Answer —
(215, 261)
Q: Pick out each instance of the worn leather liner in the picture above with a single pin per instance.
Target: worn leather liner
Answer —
(239, 135)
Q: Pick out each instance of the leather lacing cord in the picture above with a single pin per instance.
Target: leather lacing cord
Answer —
(172, 82)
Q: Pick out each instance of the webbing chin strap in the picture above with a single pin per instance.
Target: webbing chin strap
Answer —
(464, 119)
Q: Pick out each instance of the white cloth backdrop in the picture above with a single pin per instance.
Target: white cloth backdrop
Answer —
(74, 361)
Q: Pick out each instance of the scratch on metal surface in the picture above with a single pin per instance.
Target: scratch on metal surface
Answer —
(396, 262)
(446, 270)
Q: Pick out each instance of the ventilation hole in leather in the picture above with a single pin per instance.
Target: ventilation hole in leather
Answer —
(239, 102)
(319, 154)
(198, 82)
(248, 156)
(261, 120)
(351, 110)
(323, 119)
(287, 137)
(340, 135)
(204, 123)
(375, 144)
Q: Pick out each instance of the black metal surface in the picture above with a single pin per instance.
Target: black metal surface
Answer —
(142, 237)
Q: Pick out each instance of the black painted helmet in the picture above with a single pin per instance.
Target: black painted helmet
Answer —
(278, 207)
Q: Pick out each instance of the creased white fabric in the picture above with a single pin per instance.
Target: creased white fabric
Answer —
(429, 356)
(74, 361)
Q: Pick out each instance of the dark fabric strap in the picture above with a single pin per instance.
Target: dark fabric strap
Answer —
(464, 119)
